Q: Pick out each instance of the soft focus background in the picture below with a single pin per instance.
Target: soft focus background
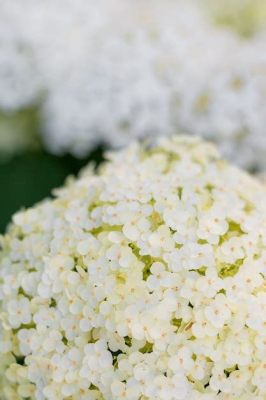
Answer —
(81, 76)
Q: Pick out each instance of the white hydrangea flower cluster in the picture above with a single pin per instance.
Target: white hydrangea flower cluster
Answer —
(145, 280)
(117, 70)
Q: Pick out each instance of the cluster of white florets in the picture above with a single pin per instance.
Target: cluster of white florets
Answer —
(115, 70)
(145, 280)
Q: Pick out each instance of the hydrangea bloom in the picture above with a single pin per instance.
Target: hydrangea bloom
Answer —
(115, 70)
(145, 280)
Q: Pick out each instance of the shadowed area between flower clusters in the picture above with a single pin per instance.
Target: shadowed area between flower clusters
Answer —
(28, 178)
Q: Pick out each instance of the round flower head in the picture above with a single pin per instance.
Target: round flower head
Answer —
(142, 280)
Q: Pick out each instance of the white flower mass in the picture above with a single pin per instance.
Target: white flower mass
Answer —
(144, 280)
(116, 70)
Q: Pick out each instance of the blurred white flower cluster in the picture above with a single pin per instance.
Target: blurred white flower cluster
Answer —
(117, 70)
(141, 282)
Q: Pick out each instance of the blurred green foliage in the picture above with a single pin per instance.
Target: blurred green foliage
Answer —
(244, 16)
(27, 172)
(29, 177)
(19, 132)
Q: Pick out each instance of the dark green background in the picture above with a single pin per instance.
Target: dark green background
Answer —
(28, 172)
(29, 177)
